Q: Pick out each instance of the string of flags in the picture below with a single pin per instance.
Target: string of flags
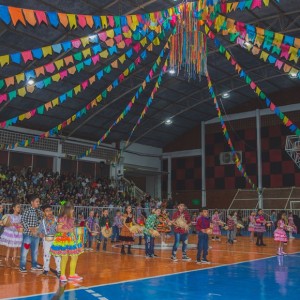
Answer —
(40, 110)
(91, 105)
(227, 136)
(131, 102)
(257, 90)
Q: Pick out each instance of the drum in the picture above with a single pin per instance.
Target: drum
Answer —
(49, 238)
(79, 232)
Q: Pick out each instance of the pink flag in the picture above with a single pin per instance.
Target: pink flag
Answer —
(27, 55)
(95, 59)
(76, 43)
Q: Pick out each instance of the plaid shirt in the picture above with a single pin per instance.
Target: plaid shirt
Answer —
(31, 218)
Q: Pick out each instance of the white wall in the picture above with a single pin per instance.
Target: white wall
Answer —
(143, 160)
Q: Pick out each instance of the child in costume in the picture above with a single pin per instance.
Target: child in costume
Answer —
(181, 233)
(47, 230)
(105, 221)
(216, 221)
(260, 227)
(151, 224)
(203, 227)
(90, 224)
(279, 234)
(163, 228)
(65, 243)
(117, 225)
(251, 225)
(12, 235)
(126, 236)
(292, 226)
(230, 224)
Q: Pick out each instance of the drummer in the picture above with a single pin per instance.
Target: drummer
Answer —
(47, 230)
(30, 221)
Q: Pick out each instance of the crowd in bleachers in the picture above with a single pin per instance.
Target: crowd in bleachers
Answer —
(81, 190)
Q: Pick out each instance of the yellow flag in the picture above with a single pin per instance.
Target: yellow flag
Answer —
(56, 77)
(20, 77)
(85, 41)
(22, 92)
(122, 58)
(77, 89)
(156, 41)
(59, 64)
(55, 102)
(4, 60)
(47, 51)
(86, 52)
(104, 54)
(110, 33)
(104, 21)
(72, 20)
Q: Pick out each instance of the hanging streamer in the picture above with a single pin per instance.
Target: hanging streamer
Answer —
(257, 90)
(129, 105)
(149, 102)
(81, 87)
(283, 45)
(95, 59)
(226, 135)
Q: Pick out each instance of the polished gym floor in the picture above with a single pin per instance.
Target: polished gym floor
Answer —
(239, 271)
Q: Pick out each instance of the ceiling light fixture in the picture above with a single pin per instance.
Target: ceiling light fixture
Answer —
(168, 122)
(293, 75)
(30, 82)
(225, 95)
(246, 44)
(171, 71)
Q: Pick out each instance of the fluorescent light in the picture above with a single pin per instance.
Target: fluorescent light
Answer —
(168, 122)
(246, 44)
(225, 95)
(30, 82)
(293, 75)
(172, 71)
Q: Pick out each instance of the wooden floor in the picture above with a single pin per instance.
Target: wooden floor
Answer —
(108, 267)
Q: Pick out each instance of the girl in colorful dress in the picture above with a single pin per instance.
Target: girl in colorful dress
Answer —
(12, 235)
(163, 228)
(251, 225)
(216, 221)
(126, 236)
(151, 224)
(279, 233)
(260, 227)
(65, 243)
(291, 224)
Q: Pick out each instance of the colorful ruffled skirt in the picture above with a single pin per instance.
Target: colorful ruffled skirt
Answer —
(66, 244)
(280, 235)
(11, 237)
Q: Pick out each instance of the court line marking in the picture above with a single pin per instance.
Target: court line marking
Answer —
(85, 288)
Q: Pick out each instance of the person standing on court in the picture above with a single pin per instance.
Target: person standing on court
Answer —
(202, 227)
(30, 221)
(181, 221)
